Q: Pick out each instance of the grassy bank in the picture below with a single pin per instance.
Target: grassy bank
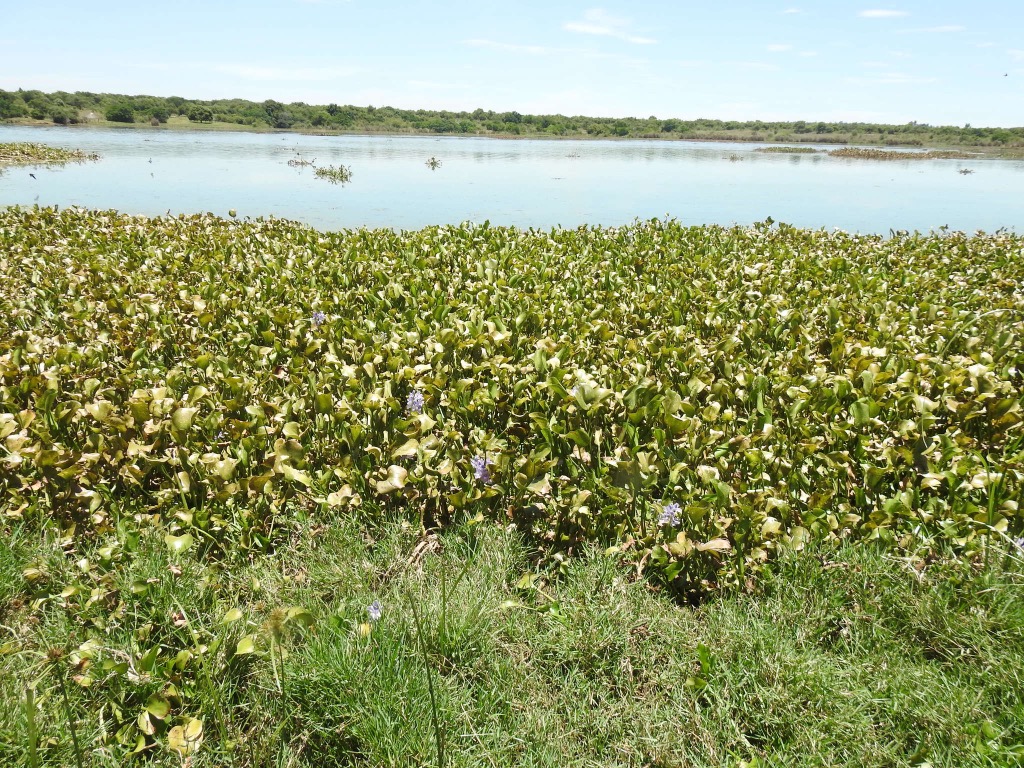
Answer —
(841, 656)
(650, 495)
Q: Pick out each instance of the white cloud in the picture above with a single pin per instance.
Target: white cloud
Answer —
(598, 22)
(1016, 54)
(882, 14)
(944, 28)
(985, 45)
(286, 74)
(792, 10)
(780, 47)
(808, 53)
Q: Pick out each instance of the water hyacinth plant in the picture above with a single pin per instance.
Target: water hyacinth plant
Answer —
(27, 153)
(481, 471)
(776, 398)
(336, 174)
(670, 514)
(414, 402)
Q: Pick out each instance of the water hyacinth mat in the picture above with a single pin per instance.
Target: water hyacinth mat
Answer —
(648, 495)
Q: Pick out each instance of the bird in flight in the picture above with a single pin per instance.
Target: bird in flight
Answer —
(32, 175)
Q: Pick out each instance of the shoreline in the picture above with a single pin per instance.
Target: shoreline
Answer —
(242, 128)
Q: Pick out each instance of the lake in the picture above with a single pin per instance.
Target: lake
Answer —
(526, 183)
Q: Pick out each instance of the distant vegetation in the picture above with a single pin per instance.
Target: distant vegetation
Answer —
(68, 108)
(879, 154)
(788, 150)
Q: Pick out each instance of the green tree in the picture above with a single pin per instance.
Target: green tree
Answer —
(120, 113)
(197, 113)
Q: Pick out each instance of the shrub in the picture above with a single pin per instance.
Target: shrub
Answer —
(121, 113)
(64, 115)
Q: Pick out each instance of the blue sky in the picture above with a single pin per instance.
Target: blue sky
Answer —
(938, 62)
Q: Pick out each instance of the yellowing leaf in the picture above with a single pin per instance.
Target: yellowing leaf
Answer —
(395, 480)
(408, 448)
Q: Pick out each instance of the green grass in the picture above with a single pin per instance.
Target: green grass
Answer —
(841, 656)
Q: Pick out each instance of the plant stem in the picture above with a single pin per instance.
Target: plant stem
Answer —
(430, 681)
(71, 723)
(30, 723)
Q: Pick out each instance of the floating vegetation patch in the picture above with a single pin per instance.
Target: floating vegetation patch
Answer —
(433, 163)
(336, 174)
(26, 153)
(300, 162)
(885, 154)
(789, 150)
(700, 398)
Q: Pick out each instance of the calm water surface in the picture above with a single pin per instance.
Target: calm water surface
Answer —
(527, 183)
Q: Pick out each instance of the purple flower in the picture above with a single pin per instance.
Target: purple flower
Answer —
(670, 514)
(1019, 543)
(414, 402)
(374, 611)
(318, 318)
(480, 470)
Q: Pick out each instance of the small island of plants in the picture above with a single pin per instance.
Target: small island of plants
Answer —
(865, 153)
(788, 150)
(27, 153)
(336, 174)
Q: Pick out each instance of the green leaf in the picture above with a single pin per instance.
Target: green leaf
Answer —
(231, 616)
(158, 706)
(182, 418)
(296, 475)
(246, 645)
(178, 544)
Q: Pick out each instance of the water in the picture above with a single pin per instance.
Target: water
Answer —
(526, 183)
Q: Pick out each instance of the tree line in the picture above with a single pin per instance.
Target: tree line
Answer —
(65, 108)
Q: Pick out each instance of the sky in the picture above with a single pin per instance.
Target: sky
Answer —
(931, 61)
